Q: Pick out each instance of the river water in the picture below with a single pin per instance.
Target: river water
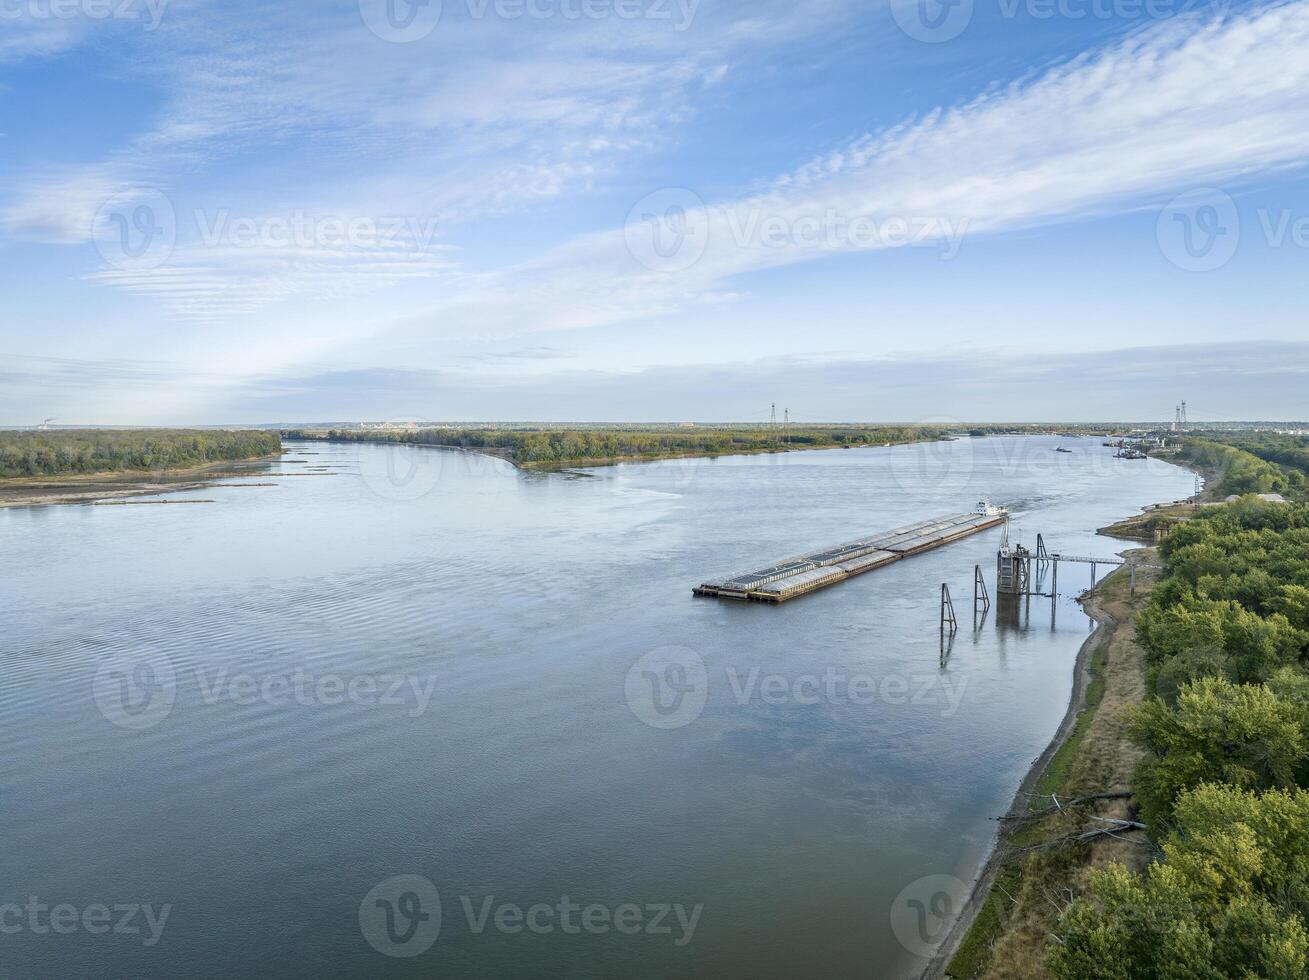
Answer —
(418, 684)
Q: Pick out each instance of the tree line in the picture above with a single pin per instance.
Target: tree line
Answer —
(571, 445)
(1251, 465)
(67, 451)
(1223, 786)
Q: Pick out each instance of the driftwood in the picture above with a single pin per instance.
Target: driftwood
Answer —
(1113, 828)
(1103, 826)
(1058, 806)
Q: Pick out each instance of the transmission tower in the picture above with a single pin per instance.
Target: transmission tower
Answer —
(1182, 413)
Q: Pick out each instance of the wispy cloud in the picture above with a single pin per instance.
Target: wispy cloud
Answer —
(1197, 101)
(485, 118)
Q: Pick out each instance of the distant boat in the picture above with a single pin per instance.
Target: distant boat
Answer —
(1129, 454)
(1061, 449)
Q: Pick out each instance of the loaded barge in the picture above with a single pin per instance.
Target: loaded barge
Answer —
(801, 574)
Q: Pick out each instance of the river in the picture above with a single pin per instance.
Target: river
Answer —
(421, 684)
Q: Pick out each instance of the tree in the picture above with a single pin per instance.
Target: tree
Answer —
(1228, 900)
(1240, 734)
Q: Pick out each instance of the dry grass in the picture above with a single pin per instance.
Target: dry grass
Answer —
(1011, 940)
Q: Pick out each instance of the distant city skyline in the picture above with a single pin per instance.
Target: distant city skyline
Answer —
(633, 211)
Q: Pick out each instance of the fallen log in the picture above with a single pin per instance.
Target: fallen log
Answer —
(1058, 807)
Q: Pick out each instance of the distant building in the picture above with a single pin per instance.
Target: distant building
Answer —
(1272, 498)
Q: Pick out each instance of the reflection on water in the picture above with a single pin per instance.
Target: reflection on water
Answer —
(365, 721)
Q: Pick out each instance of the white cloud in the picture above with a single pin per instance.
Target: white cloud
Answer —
(1197, 102)
(484, 119)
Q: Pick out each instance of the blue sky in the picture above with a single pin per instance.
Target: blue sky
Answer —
(637, 209)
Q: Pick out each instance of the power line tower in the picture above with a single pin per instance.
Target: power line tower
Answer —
(1182, 414)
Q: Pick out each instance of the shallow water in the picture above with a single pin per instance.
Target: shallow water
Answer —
(260, 712)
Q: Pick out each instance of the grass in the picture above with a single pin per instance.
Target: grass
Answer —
(1008, 937)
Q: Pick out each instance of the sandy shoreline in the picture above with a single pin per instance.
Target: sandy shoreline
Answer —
(90, 488)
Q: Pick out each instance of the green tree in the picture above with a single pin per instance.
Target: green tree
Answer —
(1243, 735)
(1228, 900)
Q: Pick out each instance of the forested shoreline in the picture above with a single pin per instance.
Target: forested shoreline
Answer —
(1174, 840)
(557, 446)
(60, 452)
(1252, 464)
(1223, 787)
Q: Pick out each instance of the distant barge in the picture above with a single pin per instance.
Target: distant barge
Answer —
(797, 576)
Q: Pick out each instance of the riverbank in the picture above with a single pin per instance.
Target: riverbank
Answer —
(115, 485)
(1154, 521)
(560, 449)
(1002, 930)
(597, 461)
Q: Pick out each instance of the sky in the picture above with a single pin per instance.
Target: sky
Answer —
(231, 211)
